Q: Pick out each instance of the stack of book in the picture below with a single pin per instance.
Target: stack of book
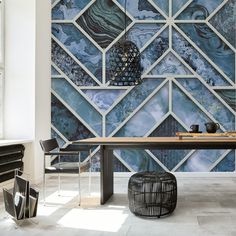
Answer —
(21, 202)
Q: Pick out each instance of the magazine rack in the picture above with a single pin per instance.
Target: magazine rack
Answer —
(21, 201)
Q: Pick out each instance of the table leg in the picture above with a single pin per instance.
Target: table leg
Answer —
(106, 173)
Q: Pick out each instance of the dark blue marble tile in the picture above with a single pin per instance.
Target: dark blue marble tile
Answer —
(163, 5)
(79, 104)
(118, 166)
(129, 103)
(177, 4)
(197, 62)
(74, 72)
(199, 9)
(66, 123)
(187, 110)
(212, 46)
(141, 10)
(200, 161)
(68, 9)
(148, 116)
(209, 102)
(158, 46)
(80, 47)
(227, 164)
(139, 160)
(103, 21)
(170, 65)
(168, 128)
(224, 21)
(104, 98)
(229, 96)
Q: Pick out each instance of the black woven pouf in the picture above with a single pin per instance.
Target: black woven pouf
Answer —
(152, 194)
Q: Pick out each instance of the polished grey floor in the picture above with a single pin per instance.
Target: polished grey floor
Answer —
(206, 206)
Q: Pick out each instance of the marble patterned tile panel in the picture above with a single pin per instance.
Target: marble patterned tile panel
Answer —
(197, 62)
(78, 103)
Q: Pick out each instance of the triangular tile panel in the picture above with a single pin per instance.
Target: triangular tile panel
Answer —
(229, 96)
(67, 10)
(227, 164)
(199, 9)
(177, 4)
(168, 128)
(103, 98)
(163, 5)
(141, 10)
(224, 22)
(170, 65)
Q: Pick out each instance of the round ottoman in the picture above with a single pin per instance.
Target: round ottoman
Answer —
(152, 194)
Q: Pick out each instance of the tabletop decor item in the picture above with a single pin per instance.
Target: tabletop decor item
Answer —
(212, 127)
(125, 62)
(195, 128)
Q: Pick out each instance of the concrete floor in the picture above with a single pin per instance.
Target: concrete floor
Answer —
(206, 206)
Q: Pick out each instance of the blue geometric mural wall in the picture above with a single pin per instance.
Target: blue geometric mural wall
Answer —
(188, 59)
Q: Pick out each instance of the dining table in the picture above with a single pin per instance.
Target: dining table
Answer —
(108, 144)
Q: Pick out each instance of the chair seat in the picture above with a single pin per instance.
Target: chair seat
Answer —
(75, 147)
(67, 168)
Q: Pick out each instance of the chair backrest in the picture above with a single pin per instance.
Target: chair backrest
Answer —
(48, 145)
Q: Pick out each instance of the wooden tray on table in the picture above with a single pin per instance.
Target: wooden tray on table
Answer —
(188, 134)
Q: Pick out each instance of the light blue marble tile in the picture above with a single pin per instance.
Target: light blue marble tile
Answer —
(138, 160)
(209, 102)
(227, 164)
(141, 10)
(83, 108)
(225, 22)
(68, 9)
(148, 116)
(213, 46)
(188, 111)
(163, 5)
(200, 161)
(177, 4)
(197, 62)
(141, 33)
(199, 9)
(80, 47)
(54, 71)
(129, 103)
(170, 65)
(104, 98)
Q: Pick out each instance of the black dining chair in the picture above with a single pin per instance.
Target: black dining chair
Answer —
(51, 148)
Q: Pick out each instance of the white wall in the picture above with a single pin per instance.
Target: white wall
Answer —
(19, 99)
(42, 81)
(27, 77)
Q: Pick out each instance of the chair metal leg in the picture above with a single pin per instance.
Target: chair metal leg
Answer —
(90, 170)
(59, 184)
(79, 189)
(59, 178)
(44, 183)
